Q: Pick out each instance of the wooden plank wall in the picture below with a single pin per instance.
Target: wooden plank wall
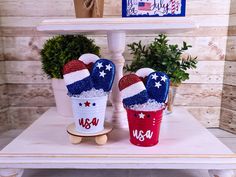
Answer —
(228, 111)
(3, 91)
(29, 91)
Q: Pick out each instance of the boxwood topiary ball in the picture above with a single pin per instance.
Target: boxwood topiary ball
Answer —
(58, 50)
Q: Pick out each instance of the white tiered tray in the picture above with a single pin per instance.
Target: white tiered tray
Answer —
(184, 144)
(116, 30)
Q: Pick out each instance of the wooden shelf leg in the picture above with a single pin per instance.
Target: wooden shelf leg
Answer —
(75, 139)
(101, 140)
(222, 173)
(116, 45)
(11, 172)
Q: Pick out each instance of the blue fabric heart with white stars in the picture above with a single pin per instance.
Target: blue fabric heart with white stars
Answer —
(103, 74)
(158, 86)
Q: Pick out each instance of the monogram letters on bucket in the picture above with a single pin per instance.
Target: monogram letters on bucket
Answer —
(144, 127)
(87, 123)
(89, 114)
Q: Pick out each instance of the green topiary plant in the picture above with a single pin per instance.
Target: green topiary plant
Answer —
(58, 50)
(161, 56)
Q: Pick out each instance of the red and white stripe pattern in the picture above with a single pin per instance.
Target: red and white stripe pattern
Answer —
(77, 77)
(173, 6)
(132, 89)
(75, 71)
(177, 6)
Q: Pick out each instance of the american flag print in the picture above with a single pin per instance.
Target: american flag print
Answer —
(158, 86)
(156, 8)
(173, 9)
(146, 6)
(103, 74)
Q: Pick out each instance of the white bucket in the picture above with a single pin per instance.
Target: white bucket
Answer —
(89, 114)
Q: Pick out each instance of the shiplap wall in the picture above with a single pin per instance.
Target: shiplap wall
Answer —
(3, 91)
(228, 112)
(29, 92)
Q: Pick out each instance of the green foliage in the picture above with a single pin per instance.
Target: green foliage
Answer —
(58, 50)
(161, 56)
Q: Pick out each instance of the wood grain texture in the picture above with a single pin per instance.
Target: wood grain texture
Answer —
(208, 95)
(232, 8)
(43, 8)
(1, 46)
(228, 120)
(230, 73)
(232, 17)
(25, 48)
(28, 87)
(27, 95)
(4, 121)
(28, 48)
(31, 72)
(207, 116)
(22, 117)
(176, 141)
(187, 95)
(2, 73)
(228, 112)
(231, 49)
(229, 97)
(2, 63)
(25, 72)
(3, 96)
(201, 20)
(232, 31)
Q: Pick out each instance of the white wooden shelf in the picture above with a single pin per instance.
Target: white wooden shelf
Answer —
(130, 25)
(184, 144)
(182, 137)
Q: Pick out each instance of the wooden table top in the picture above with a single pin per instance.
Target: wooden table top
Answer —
(182, 139)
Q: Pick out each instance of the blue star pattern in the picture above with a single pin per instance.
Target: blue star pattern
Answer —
(158, 86)
(86, 104)
(103, 73)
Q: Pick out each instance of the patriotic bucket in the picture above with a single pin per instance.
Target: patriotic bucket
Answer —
(89, 114)
(144, 127)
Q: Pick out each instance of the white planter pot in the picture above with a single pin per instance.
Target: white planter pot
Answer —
(63, 101)
(89, 114)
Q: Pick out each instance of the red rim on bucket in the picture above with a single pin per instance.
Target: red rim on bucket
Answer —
(144, 127)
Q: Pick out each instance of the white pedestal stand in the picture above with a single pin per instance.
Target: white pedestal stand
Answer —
(116, 45)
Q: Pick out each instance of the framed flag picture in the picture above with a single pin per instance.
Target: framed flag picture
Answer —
(153, 8)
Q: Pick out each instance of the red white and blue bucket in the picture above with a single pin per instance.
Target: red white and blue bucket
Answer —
(144, 127)
(89, 114)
